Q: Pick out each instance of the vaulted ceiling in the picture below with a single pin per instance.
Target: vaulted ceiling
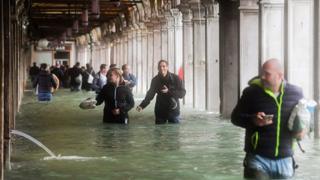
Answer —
(50, 18)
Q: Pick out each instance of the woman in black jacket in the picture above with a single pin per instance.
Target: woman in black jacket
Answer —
(118, 98)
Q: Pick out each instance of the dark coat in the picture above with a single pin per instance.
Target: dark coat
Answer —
(163, 102)
(45, 82)
(275, 140)
(124, 100)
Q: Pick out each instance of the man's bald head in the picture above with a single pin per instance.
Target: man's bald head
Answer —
(273, 64)
(272, 74)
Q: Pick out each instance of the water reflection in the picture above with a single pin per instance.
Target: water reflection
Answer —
(166, 137)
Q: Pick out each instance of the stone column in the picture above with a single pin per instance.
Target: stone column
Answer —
(178, 36)
(150, 59)
(271, 29)
(249, 41)
(229, 55)
(212, 57)
(134, 53)
(187, 53)
(125, 47)
(170, 41)
(317, 67)
(156, 45)
(144, 59)
(130, 48)
(121, 55)
(199, 78)
(164, 38)
(139, 63)
(299, 44)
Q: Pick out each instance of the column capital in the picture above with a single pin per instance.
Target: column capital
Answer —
(212, 8)
(271, 2)
(198, 11)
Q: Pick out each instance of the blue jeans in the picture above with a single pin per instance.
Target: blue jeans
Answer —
(174, 120)
(259, 167)
(44, 96)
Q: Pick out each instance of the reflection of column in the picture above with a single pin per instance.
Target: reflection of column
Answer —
(271, 28)
(229, 55)
(144, 58)
(317, 66)
(300, 44)
(150, 54)
(187, 55)
(212, 57)
(156, 45)
(249, 39)
(199, 55)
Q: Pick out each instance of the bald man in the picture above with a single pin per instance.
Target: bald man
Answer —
(263, 110)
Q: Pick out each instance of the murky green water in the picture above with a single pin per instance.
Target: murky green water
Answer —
(201, 147)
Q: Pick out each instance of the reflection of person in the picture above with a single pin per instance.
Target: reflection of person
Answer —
(45, 83)
(263, 110)
(118, 99)
(128, 78)
(169, 89)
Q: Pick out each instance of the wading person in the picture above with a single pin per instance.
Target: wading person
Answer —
(128, 78)
(44, 82)
(117, 98)
(169, 89)
(100, 78)
(263, 110)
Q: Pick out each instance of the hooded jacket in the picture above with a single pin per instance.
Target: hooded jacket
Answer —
(274, 140)
(114, 98)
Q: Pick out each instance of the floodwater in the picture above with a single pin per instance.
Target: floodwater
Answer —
(203, 146)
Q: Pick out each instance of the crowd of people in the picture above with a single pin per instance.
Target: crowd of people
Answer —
(263, 109)
(113, 87)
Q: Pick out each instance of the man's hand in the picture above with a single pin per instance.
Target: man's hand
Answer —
(164, 89)
(261, 120)
(139, 108)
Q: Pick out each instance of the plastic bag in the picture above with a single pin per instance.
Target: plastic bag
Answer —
(78, 79)
(90, 79)
(88, 103)
(300, 117)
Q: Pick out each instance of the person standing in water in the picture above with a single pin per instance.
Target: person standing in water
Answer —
(263, 110)
(169, 88)
(128, 78)
(118, 98)
(44, 83)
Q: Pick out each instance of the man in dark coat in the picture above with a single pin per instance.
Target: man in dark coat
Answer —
(169, 88)
(263, 110)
